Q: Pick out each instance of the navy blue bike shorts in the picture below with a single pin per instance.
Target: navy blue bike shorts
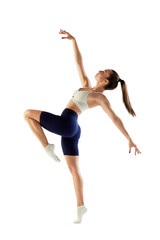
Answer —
(65, 125)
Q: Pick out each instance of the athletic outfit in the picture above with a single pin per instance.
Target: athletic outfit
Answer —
(67, 125)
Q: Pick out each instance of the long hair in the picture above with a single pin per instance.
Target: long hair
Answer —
(113, 83)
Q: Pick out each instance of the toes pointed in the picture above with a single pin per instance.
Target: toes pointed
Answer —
(77, 221)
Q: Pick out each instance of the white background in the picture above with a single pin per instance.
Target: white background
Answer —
(38, 71)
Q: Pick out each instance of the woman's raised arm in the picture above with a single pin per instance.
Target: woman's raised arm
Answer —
(77, 54)
(78, 59)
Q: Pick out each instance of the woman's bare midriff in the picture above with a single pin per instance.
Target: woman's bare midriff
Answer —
(72, 105)
(91, 101)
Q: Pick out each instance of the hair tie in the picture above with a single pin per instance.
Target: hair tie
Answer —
(120, 80)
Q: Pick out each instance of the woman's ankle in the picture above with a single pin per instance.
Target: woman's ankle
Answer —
(45, 145)
(80, 204)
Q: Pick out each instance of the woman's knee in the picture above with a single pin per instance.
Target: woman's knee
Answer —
(34, 114)
(26, 114)
(72, 162)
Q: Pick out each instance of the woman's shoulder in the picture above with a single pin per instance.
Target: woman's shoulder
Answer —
(101, 99)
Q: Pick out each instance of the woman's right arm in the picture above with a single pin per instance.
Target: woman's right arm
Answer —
(78, 59)
(77, 54)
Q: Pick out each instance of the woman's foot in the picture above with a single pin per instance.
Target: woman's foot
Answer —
(50, 151)
(81, 210)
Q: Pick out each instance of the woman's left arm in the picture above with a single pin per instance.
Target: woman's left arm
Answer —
(121, 127)
(105, 104)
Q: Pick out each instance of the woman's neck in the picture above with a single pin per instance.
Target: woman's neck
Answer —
(97, 89)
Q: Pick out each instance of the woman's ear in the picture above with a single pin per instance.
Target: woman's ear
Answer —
(106, 81)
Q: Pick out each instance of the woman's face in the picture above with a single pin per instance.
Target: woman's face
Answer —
(102, 75)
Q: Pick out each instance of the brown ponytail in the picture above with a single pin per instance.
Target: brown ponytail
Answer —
(125, 97)
(113, 83)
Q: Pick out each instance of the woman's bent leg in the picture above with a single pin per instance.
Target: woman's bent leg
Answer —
(33, 119)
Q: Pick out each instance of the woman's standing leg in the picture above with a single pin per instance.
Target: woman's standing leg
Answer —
(73, 165)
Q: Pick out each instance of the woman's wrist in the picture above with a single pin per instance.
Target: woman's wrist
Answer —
(129, 139)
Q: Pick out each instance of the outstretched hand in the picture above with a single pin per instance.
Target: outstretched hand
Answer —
(69, 36)
(131, 144)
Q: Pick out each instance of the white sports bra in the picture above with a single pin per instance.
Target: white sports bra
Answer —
(80, 99)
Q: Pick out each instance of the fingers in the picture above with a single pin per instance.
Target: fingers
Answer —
(139, 152)
(136, 150)
(62, 31)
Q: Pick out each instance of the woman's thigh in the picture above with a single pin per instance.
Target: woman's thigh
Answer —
(34, 114)
(70, 144)
(64, 126)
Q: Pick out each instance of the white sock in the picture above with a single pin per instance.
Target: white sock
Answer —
(80, 211)
(50, 151)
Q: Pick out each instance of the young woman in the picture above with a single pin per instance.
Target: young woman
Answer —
(67, 125)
